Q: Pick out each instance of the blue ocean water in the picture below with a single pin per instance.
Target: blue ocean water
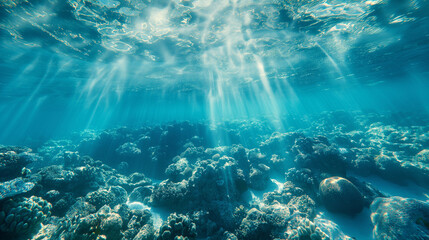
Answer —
(69, 65)
(239, 89)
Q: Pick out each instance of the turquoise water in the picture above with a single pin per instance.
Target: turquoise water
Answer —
(70, 65)
(135, 83)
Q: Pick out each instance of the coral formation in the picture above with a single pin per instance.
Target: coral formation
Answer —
(178, 226)
(115, 183)
(107, 223)
(21, 217)
(307, 230)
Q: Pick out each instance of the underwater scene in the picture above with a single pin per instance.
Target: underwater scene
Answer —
(214, 119)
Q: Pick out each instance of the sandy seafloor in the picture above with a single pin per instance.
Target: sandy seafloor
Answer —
(181, 181)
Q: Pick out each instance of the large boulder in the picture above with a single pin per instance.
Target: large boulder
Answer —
(400, 218)
(340, 195)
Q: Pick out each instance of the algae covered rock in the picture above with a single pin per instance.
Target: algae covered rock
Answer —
(14, 187)
(340, 195)
(400, 218)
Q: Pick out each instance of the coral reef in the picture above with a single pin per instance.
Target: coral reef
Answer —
(178, 226)
(108, 223)
(21, 217)
(307, 230)
(194, 181)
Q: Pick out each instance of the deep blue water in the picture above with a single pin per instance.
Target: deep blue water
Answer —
(136, 83)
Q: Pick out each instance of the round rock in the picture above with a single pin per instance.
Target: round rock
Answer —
(341, 196)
